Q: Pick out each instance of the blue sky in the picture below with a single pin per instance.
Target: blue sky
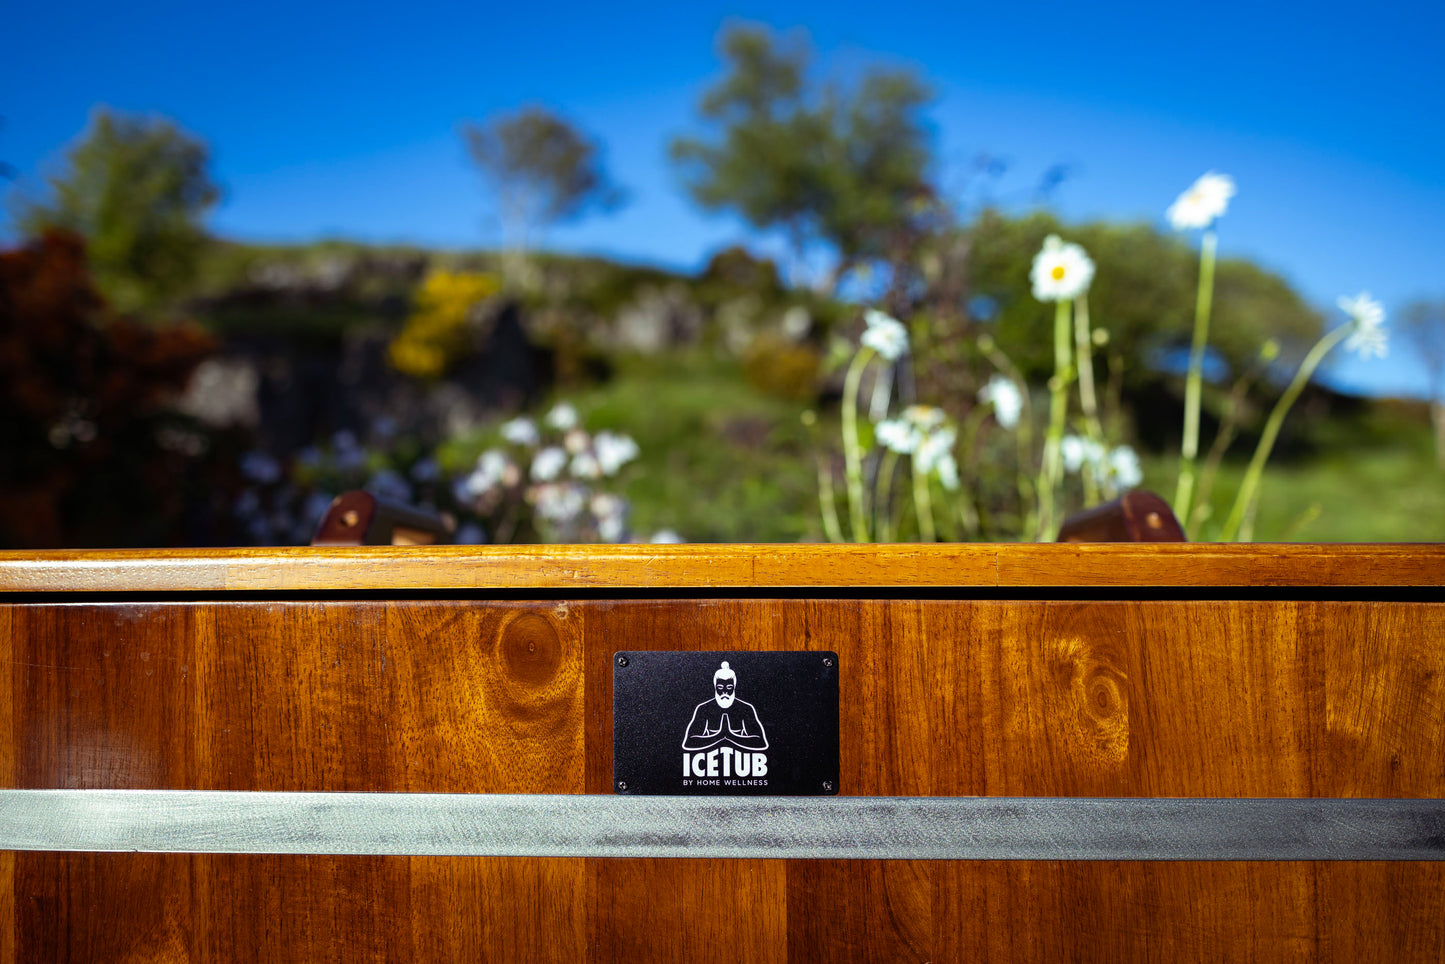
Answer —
(340, 119)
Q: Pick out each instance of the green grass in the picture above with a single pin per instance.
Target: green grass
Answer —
(720, 461)
(725, 462)
(1373, 480)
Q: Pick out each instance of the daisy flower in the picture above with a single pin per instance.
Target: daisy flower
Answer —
(562, 417)
(521, 431)
(885, 335)
(896, 435)
(576, 441)
(548, 464)
(1204, 202)
(586, 466)
(486, 475)
(947, 469)
(924, 417)
(935, 447)
(614, 450)
(1004, 396)
(1368, 316)
(1061, 271)
(1124, 467)
(1078, 452)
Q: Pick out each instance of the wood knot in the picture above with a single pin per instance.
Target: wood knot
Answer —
(530, 651)
(1094, 710)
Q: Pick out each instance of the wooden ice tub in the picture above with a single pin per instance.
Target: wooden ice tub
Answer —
(1066, 673)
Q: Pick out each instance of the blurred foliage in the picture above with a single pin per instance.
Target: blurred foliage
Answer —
(95, 453)
(781, 367)
(1422, 325)
(542, 171)
(135, 188)
(844, 165)
(437, 330)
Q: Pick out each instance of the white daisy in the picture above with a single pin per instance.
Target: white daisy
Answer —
(1004, 396)
(1368, 315)
(1061, 272)
(521, 431)
(611, 528)
(576, 441)
(935, 447)
(489, 471)
(885, 335)
(924, 417)
(614, 450)
(611, 514)
(896, 435)
(666, 536)
(586, 466)
(1204, 202)
(1078, 452)
(1124, 467)
(947, 470)
(548, 464)
(558, 502)
(562, 417)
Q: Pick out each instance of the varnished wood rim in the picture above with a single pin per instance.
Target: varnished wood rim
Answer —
(723, 567)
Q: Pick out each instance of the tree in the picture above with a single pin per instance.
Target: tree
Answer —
(136, 188)
(1423, 325)
(96, 453)
(543, 171)
(844, 165)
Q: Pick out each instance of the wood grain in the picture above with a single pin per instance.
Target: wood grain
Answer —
(939, 697)
(720, 567)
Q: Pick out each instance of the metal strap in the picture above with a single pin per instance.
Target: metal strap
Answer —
(874, 828)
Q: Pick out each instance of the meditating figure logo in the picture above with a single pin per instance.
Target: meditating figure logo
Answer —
(725, 718)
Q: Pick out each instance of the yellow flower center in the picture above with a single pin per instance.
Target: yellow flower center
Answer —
(1058, 272)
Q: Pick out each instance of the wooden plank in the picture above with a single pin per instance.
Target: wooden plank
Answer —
(694, 910)
(1383, 735)
(404, 568)
(939, 697)
(101, 697)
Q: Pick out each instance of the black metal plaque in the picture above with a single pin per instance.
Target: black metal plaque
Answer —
(725, 723)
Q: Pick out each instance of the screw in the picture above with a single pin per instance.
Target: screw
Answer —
(828, 661)
(621, 660)
(828, 785)
(622, 784)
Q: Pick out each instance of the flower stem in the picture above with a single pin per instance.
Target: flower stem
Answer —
(1189, 450)
(852, 450)
(923, 502)
(882, 505)
(882, 392)
(1085, 361)
(1028, 508)
(828, 503)
(963, 499)
(1249, 488)
(1228, 426)
(1058, 407)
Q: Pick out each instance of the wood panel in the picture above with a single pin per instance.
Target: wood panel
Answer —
(1049, 698)
(9, 695)
(406, 568)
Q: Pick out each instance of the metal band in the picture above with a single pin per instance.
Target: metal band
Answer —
(874, 828)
